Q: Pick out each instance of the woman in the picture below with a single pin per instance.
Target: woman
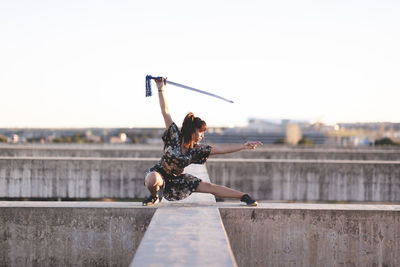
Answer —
(182, 148)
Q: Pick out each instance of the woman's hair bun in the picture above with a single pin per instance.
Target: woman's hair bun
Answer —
(190, 116)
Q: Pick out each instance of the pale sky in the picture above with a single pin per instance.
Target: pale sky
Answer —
(83, 63)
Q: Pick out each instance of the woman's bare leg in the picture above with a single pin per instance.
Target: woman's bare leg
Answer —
(153, 182)
(218, 190)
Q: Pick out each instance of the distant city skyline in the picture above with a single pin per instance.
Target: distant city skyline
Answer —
(83, 63)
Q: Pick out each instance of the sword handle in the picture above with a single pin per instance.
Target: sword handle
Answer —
(155, 78)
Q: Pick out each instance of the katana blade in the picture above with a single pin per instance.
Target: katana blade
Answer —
(197, 90)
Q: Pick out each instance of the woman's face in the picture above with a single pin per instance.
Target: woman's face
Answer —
(198, 135)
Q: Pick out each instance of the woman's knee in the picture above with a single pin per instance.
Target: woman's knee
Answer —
(153, 179)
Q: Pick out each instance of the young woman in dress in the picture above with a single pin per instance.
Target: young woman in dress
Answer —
(182, 148)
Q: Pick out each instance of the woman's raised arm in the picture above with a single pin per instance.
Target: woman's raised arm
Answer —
(163, 103)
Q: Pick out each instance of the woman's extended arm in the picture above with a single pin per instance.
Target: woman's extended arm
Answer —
(225, 149)
(163, 103)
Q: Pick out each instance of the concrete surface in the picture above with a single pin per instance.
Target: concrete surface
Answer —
(310, 180)
(314, 235)
(73, 177)
(71, 234)
(186, 233)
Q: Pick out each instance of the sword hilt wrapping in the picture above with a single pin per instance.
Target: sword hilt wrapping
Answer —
(148, 83)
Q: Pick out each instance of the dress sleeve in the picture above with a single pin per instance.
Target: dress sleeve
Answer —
(201, 153)
(171, 135)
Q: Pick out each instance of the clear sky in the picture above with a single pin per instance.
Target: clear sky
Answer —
(83, 63)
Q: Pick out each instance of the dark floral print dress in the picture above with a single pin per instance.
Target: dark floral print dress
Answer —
(179, 185)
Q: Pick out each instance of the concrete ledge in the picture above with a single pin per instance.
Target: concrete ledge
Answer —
(314, 235)
(341, 161)
(186, 234)
(317, 153)
(133, 151)
(70, 234)
(81, 151)
(310, 180)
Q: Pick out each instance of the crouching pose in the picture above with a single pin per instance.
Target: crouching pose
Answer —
(182, 148)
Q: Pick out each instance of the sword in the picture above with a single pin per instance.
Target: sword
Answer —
(148, 88)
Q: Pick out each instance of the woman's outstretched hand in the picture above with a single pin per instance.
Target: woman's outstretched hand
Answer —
(252, 145)
(160, 84)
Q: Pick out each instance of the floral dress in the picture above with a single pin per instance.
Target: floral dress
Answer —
(179, 185)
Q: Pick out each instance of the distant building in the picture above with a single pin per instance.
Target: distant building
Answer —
(120, 139)
(362, 134)
(14, 139)
(293, 133)
(92, 138)
(268, 132)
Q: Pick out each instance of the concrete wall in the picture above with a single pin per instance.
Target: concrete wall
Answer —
(133, 151)
(264, 179)
(81, 151)
(71, 236)
(73, 177)
(295, 237)
(309, 180)
(276, 234)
